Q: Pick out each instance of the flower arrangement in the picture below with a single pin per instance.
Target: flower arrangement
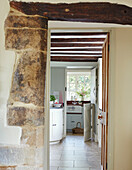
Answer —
(82, 93)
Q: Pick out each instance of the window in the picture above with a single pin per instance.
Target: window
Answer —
(76, 82)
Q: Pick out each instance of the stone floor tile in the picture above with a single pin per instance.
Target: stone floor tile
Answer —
(55, 157)
(73, 157)
(61, 163)
(82, 164)
(54, 168)
(73, 169)
(75, 154)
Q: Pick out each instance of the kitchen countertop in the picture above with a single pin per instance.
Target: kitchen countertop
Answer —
(56, 107)
(77, 104)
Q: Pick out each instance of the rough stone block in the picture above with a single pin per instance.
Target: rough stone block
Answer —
(20, 116)
(29, 168)
(28, 84)
(39, 156)
(24, 156)
(7, 167)
(22, 39)
(10, 156)
(33, 136)
(26, 21)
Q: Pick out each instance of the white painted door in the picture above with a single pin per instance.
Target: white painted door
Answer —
(87, 122)
(93, 86)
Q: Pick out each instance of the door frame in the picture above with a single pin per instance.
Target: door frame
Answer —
(110, 120)
(23, 8)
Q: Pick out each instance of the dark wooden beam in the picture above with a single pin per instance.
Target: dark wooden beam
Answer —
(62, 40)
(78, 57)
(86, 54)
(78, 33)
(75, 50)
(99, 12)
(73, 60)
(75, 45)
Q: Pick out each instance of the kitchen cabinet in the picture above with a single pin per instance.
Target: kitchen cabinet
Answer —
(56, 124)
(74, 115)
(72, 120)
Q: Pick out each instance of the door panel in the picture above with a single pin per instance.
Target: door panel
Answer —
(105, 81)
(93, 86)
(87, 122)
(57, 119)
(104, 114)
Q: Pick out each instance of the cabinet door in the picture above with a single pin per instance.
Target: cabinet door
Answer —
(51, 127)
(68, 122)
(72, 120)
(57, 124)
(75, 119)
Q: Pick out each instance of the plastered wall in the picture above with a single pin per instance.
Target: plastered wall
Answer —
(58, 81)
(123, 100)
(8, 135)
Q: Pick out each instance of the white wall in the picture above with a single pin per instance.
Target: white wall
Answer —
(8, 135)
(58, 80)
(122, 85)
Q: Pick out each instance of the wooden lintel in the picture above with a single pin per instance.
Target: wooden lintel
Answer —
(75, 45)
(62, 40)
(99, 12)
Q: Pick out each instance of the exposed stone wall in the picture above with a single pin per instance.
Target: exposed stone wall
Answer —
(27, 36)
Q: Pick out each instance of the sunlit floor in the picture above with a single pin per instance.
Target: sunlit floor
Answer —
(73, 154)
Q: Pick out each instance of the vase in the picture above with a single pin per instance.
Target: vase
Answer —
(51, 103)
(82, 98)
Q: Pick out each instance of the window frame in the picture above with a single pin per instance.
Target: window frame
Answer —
(75, 73)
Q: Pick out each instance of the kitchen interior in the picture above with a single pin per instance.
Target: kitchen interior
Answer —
(75, 99)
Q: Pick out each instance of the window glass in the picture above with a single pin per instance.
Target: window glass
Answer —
(78, 83)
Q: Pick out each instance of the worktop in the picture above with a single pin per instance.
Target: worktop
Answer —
(56, 108)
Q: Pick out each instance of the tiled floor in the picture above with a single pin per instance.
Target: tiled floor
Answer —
(73, 154)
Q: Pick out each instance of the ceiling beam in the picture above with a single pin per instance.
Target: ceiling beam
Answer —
(75, 45)
(78, 57)
(68, 59)
(62, 40)
(78, 33)
(86, 54)
(75, 50)
(99, 12)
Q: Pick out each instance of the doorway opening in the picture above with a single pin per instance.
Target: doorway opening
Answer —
(76, 99)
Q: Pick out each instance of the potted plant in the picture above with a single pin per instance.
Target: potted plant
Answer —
(52, 100)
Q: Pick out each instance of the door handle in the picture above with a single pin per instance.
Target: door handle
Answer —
(54, 125)
(100, 117)
(72, 121)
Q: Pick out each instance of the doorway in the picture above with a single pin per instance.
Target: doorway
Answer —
(104, 19)
(59, 55)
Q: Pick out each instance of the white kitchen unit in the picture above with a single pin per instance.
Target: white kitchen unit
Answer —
(74, 115)
(72, 120)
(56, 124)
